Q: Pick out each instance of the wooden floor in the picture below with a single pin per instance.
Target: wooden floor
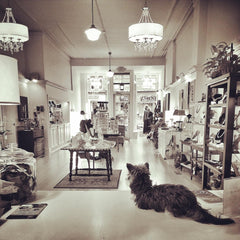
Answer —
(110, 214)
(50, 170)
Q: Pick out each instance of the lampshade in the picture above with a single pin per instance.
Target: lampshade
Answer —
(93, 33)
(9, 90)
(110, 74)
(12, 34)
(146, 34)
(179, 112)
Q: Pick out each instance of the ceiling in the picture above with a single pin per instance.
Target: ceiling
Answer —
(65, 21)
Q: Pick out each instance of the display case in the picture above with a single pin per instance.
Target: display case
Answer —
(220, 130)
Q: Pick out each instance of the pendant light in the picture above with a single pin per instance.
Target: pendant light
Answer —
(12, 34)
(110, 73)
(146, 34)
(93, 33)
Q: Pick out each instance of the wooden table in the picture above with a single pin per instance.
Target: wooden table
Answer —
(113, 136)
(87, 150)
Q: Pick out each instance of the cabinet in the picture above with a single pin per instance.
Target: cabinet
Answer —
(32, 141)
(59, 135)
(219, 135)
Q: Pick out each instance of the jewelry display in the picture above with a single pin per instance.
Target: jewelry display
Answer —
(219, 136)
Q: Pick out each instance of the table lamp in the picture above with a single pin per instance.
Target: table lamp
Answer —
(179, 113)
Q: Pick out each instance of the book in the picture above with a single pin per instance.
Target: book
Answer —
(27, 211)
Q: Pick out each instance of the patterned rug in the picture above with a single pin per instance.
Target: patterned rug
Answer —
(91, 182)
(207, 196)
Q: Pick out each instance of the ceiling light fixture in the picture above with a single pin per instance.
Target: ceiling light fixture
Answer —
(110, 73)
(146, 34)
(12, 34)
(93, 33)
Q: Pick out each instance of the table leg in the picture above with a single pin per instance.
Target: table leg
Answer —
(70, 166)
(118, 144)
(108, 165)
(110, 161)
(76, 168)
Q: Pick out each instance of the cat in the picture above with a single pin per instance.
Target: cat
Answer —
(177, 199)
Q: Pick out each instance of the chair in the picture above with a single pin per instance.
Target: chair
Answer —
(121, 130)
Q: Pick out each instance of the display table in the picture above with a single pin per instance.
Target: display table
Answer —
(87, 150)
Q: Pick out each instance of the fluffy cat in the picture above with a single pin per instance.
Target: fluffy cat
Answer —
(177, 199)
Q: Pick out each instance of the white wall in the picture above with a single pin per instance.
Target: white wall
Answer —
(210, 22)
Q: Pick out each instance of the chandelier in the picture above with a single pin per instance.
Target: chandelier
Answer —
(146, 34)
(93, 33)
(12, 34)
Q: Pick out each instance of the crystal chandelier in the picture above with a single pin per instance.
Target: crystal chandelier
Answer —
(12, 34)
(145, 34)
(93, 33)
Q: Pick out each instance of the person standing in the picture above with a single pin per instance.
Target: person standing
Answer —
(145, 119)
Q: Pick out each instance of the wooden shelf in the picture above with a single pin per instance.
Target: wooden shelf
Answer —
(188, 166)
(218, 105)
(218, 126)
(214, 169)
(227, 85)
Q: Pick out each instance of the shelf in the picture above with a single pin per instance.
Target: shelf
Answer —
(218, 126)
(225, 84)
(188, 166)
(197, 160)
(215, 148)
(198, 123)
(214, 169)
(218, 105)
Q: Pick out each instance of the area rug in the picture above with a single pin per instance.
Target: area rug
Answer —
(91, 182)
(207, 196)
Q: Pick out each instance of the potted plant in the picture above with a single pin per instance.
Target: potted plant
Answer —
(223, 60)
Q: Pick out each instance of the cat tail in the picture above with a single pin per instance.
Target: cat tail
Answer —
(203, 216)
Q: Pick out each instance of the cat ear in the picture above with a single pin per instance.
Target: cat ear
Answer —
(130, 167)
(147, 165)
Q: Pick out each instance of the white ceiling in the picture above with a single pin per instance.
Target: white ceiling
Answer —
(65, 21)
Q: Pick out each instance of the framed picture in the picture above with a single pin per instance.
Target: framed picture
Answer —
(23, 109)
